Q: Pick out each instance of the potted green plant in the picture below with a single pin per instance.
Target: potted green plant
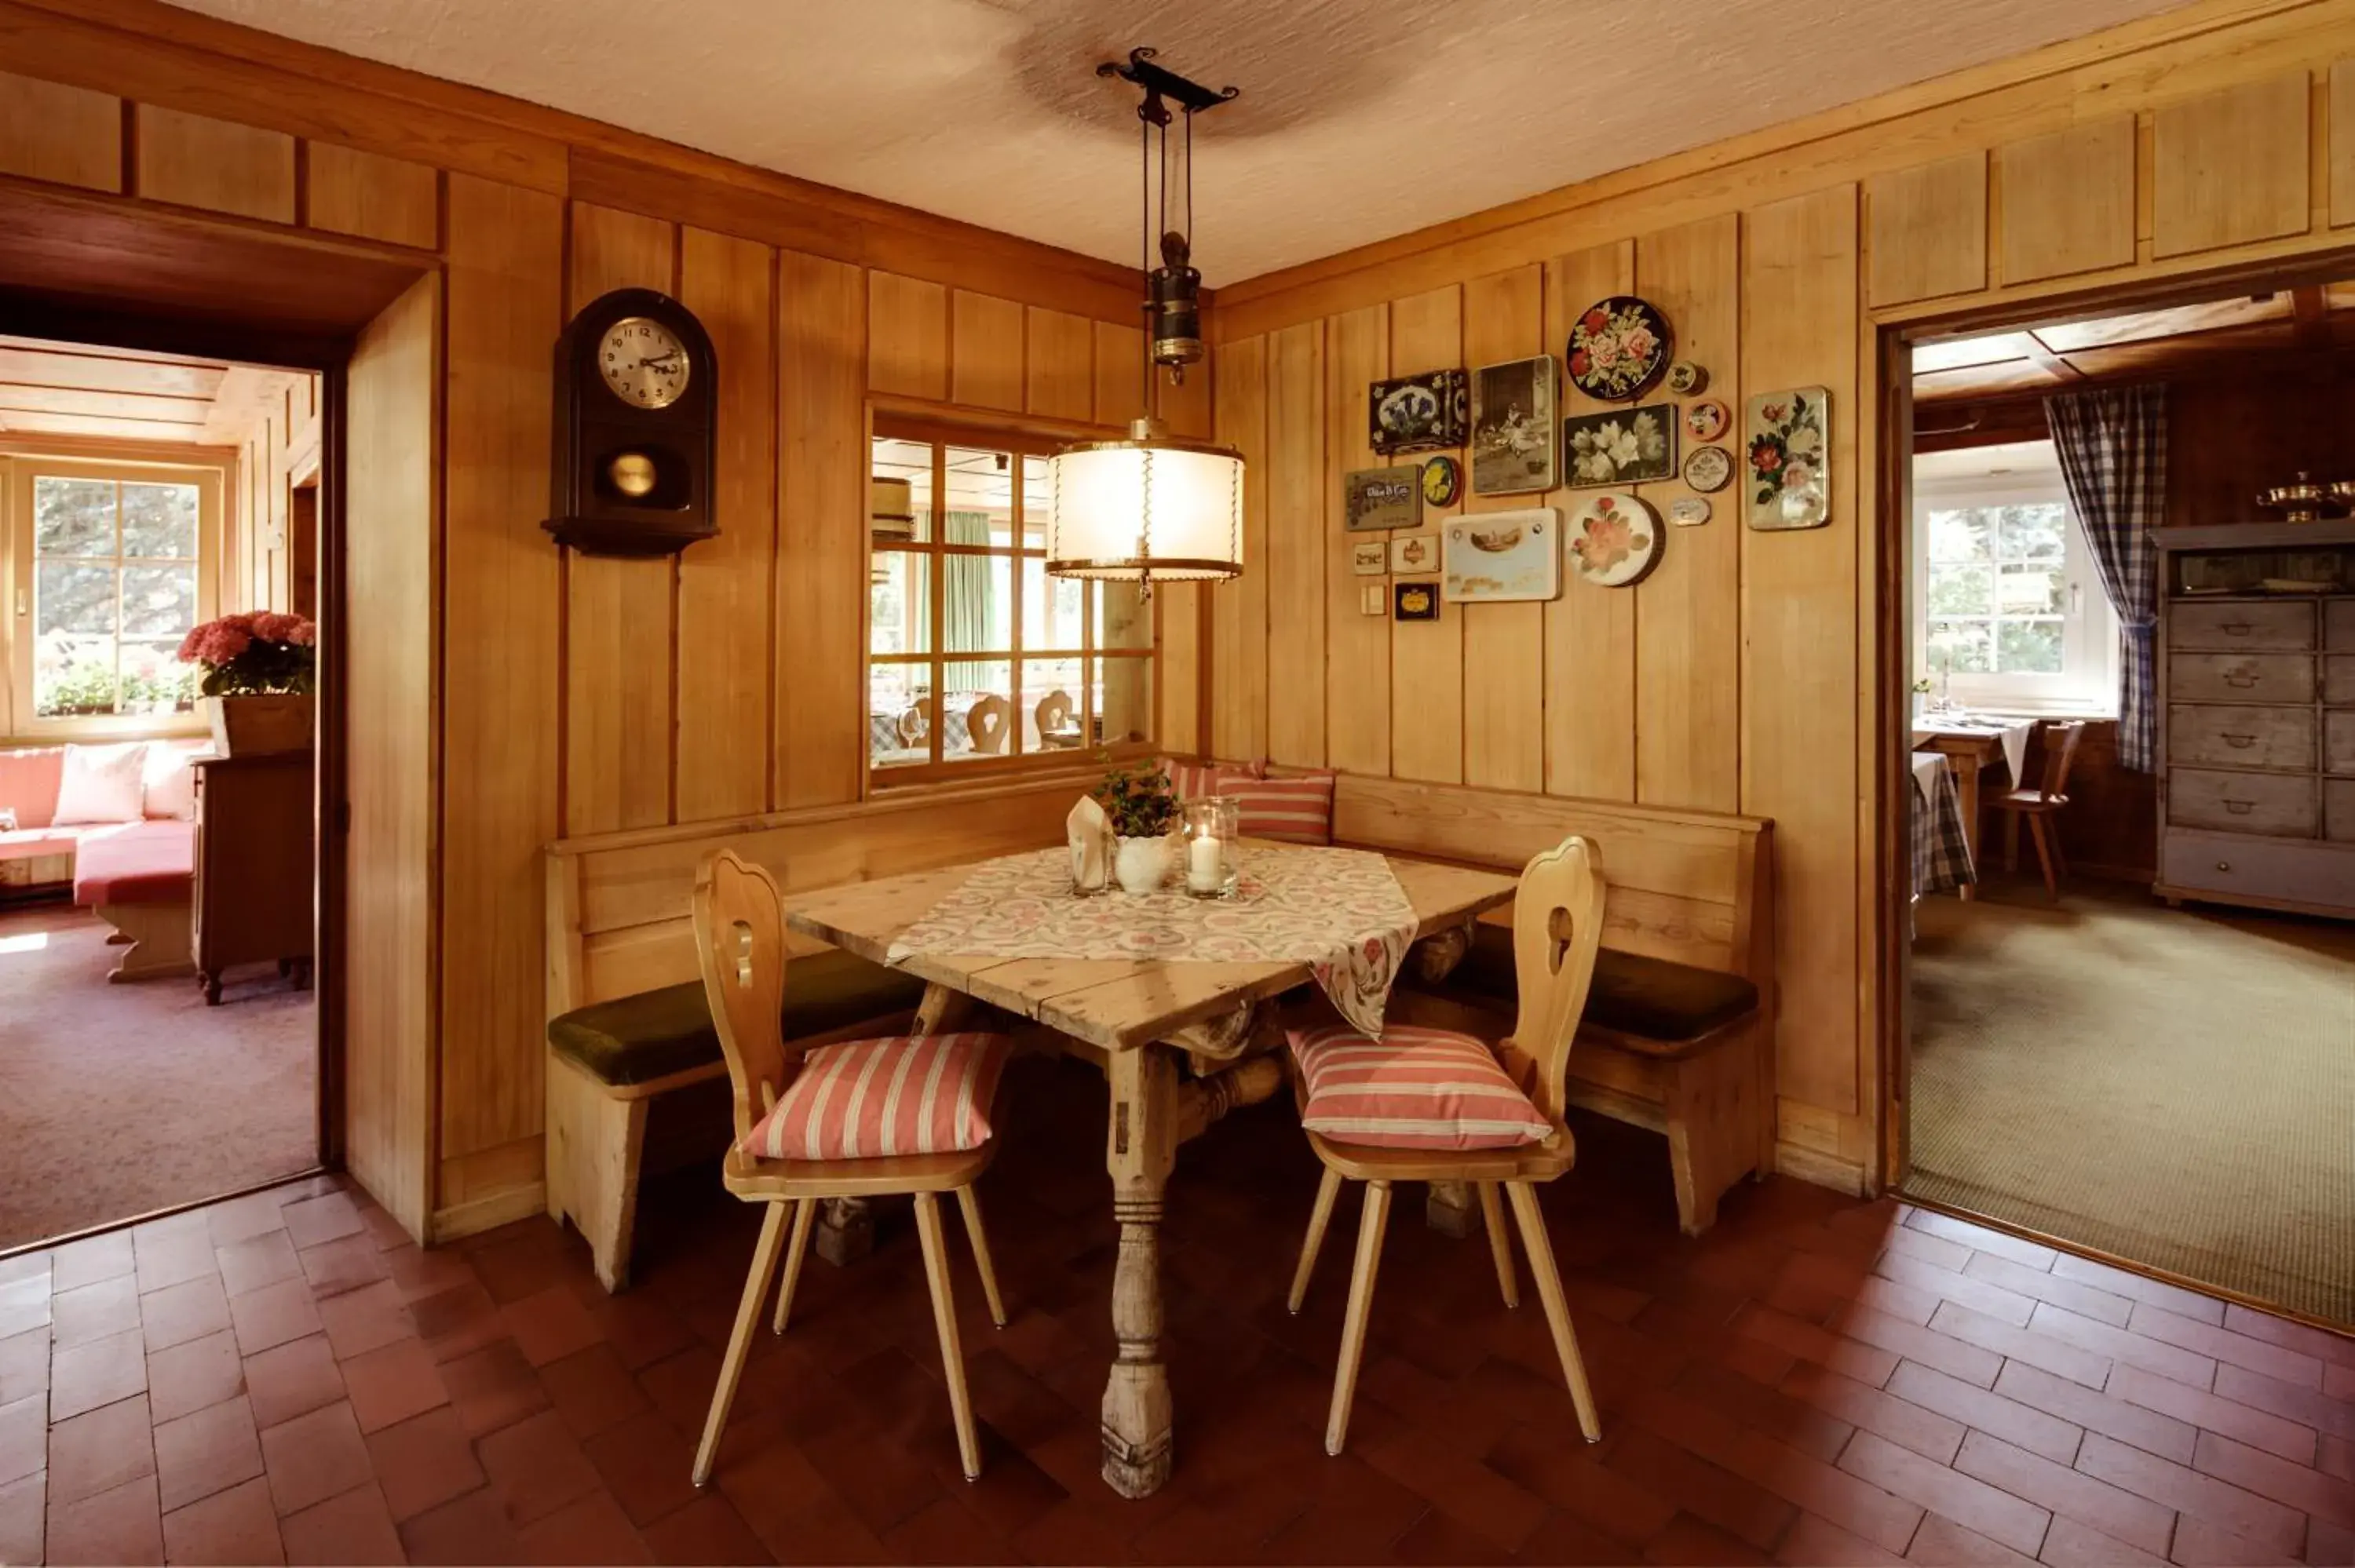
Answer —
(1143, 807)
(259, 671)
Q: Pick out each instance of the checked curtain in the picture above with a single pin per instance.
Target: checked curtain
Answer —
(2113, 449)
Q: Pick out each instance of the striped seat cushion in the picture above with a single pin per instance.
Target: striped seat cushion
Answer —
(1414, 1088)
(864, 1099)
(1296, 811)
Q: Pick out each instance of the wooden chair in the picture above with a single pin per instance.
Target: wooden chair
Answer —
(1053, 715)
(2040, 806)
(739, 939)
(1557, 926)
(916, 722)
(990, 721)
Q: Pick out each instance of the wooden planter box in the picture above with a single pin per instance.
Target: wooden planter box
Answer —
(263, 725)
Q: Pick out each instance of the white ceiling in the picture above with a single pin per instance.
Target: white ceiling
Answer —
(1360, 119)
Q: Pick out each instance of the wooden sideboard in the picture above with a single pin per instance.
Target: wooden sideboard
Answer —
(2256, 682)
(256, 895)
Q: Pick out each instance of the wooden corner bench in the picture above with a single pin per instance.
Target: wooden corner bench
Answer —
(1679, 1032)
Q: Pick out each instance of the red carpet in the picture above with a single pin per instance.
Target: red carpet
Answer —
(120, 1099)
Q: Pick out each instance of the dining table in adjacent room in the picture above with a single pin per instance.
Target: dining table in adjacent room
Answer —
(1971, 747)
(1174, 999)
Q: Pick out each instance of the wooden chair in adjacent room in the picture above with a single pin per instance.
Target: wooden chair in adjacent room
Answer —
(990, 721)
(1053, 716)
(817, 1124)
(2042, 805)
(916, 720)
(1434, 1105)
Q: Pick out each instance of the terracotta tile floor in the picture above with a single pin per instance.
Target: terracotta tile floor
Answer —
(1818, 1381)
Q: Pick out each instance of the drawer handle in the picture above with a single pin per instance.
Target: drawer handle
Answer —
(2236, 629)
(2240, 742)
(2223, 866)
(2240, 678)
(2239, 807)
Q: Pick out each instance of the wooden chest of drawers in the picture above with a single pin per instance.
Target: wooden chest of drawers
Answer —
(256, 898)
(2257, 715)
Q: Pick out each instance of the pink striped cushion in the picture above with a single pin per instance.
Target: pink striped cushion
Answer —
(1295, 810)
(867, 1098)
(1194, 780)
(1414, 1088)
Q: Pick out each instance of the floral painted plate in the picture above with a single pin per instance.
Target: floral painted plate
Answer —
(1707, 468)
(1615, 538)
(1618, 348)
(1443, 481)
(1707, 419)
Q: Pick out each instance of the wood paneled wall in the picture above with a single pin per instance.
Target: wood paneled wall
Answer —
(1743, 675)
(542, 694)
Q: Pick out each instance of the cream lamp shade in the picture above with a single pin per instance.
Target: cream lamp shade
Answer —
(1151, 507)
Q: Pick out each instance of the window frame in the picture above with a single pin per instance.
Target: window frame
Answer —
(2087, 683)
(1018, 442)
(19, 470)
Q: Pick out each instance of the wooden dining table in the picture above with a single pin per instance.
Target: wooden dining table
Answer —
(1180, 1044)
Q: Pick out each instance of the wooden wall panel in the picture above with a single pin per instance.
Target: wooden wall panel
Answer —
(1297, 566)
(1928, 230)
(1119, 361)
(1238, 609)
(1358, 646)
(2341, 145)
(503, 581)
(193, 160)
(725, 664)
(2068, 201)
(908, 336)
(391, 681)
(375, 198)
(1427, 656)
(620, 741)
(984, 351)
(821, 582)
(1800, 668)
(2229, 166)
(1060, 370)
(66, 135)
(1589, 632)
(1504, 644)
(1689, 611)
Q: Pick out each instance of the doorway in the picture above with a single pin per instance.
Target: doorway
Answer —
(2124, 913)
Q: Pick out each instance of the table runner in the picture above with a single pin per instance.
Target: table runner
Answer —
(1339, 911)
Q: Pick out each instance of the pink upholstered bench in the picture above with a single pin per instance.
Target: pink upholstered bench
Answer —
(140, 877)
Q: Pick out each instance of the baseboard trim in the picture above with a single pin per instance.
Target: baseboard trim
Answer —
(1812, 1165)
(489, 1213)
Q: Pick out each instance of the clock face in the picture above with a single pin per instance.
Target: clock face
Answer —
(643, 363)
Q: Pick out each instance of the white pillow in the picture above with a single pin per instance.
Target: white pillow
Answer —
(168, 786)
(102, 784)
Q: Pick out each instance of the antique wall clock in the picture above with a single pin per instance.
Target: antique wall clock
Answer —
(637, 396)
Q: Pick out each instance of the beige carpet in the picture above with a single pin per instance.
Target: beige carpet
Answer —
(118, 1099)
(2174, 1087)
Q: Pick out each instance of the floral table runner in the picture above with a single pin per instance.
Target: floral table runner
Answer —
(1339, 911)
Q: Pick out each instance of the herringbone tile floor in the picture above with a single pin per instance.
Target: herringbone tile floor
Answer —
(1818, 1381)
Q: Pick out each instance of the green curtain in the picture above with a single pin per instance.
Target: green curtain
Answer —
(966, 607)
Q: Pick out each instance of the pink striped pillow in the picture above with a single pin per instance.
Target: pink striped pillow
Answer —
(1414, 1088)
(1296, 811)
(1194, 781)
(867, 1098)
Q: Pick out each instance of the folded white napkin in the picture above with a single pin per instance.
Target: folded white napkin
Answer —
(1088, 832)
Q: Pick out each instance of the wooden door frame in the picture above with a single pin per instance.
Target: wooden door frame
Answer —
(1893, 666)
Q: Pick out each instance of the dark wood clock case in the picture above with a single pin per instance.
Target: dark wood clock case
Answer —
(587, 510)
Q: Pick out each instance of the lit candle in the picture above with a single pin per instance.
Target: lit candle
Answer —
(1204, 871)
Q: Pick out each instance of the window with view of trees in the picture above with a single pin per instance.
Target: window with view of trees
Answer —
(975, 654)
(112, 573)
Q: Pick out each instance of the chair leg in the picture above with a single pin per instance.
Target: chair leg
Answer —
(937, 1274)
(805, 1215)
(1501, 1245)
(970, 1202)
(2010, 841)
(2045, 858)
(1361, 1301)
(1318, 1218)
(739, 1341)
(1547, 1274)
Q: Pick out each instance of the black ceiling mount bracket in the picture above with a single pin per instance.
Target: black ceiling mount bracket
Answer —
(1160, 82)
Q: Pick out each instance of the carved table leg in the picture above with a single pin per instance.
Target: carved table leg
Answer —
(1452, 1208)
(1139, 1151)
(1436, 956)
(845, 1229)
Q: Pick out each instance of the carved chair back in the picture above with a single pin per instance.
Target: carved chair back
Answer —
(990, 721)
(740, 942)
(916, 720)
(1053, 712)
(1557, 926)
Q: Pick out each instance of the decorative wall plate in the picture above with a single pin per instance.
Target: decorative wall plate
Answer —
(1690, 511)
(1686, 377)
(1615, 538)
(1499, 557)
(1369, 557)
(1621, 446)
(1374, 498)
(1618, 348)
(1789, 447)
(1414, 602)
(1708, 419)
(1443, 481)
(1513, 438)
(1707, 468)
(1418, 413)
(1411, 553)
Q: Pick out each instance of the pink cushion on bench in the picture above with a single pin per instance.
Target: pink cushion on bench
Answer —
(140, 863)
(28, 783)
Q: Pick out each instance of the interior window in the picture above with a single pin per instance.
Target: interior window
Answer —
(975, 654)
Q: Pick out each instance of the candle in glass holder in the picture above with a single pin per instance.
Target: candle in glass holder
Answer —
(1213, 826)
(1205, 864)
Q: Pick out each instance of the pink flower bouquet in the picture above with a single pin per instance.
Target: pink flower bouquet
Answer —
(253, 654)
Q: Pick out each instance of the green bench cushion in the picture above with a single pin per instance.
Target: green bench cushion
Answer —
(1631, 994)
(637, 1039)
